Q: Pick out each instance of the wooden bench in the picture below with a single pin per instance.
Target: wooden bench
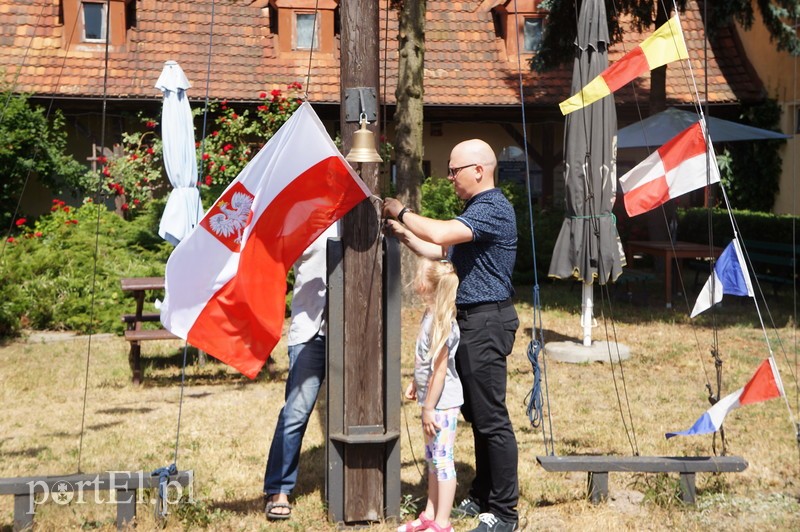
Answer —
(631, 278)
(598, 468)
(134, 333)
(772, 262)
(63, 489)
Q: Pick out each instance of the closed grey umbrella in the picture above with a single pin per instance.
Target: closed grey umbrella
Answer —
(588, 247)
(183, 210)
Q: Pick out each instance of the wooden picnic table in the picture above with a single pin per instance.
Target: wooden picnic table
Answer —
(669, 251)
(134, 333)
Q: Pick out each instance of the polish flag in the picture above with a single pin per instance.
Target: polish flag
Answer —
(765, 384)
(226, 281)
(677, 167)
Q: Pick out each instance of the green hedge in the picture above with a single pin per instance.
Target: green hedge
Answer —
(693, 226)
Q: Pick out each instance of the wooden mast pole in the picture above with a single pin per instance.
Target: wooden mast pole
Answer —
(363, 480)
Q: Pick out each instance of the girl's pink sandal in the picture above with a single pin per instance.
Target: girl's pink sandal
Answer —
(433, 525)
(420, 523)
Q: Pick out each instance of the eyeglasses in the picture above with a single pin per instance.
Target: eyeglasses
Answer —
(452, 172)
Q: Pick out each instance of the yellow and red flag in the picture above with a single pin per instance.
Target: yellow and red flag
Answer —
(664, 46)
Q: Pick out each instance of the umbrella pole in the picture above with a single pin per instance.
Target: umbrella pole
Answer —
(587, 319)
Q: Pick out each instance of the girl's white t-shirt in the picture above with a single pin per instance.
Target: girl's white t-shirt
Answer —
(452, 394)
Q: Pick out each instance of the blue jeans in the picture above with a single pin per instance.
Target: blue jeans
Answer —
(306, 373)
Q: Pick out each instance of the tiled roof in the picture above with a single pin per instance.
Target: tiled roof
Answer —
(466, 62)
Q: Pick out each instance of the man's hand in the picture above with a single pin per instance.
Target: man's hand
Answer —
(391, 207)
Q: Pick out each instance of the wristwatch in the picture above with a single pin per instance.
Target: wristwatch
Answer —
(401, 213)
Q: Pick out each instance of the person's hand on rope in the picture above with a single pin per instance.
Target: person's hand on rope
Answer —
(429, 425)
(391, 207)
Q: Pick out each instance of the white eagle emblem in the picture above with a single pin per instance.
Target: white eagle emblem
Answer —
(232, 220)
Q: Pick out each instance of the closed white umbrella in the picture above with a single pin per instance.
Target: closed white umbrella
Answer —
(184, 209)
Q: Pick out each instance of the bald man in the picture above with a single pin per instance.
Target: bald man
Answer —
(482, 244)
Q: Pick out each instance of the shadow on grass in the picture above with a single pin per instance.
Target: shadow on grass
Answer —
(165, 370)
(734, 311)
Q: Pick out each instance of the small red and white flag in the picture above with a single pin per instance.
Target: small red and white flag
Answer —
(226, 281)
(677, 167)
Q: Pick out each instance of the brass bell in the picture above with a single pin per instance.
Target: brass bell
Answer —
(363, 150)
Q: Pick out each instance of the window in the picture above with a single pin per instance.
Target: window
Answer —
(94, 21)
(306, 25)
(532, 34)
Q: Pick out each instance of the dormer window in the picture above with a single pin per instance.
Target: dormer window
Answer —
(94, 21)
(89, 23)
(302, 25)
(520, 23)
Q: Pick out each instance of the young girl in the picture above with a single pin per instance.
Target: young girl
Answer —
(437, 389)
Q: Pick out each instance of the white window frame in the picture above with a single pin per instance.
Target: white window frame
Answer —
(315, 37)
(103, 18)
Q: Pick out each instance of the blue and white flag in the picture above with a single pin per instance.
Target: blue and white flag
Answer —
(730, 276)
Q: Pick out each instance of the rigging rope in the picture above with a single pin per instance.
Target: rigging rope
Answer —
(99, 206)
(537, 330)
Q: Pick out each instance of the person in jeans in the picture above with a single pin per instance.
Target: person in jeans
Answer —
(306, 341)
(481, 243)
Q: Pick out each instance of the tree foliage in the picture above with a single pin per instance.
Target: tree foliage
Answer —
(750, 171)
(559, 34)
(33, 146)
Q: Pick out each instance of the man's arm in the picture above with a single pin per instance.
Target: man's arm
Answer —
(444, 233)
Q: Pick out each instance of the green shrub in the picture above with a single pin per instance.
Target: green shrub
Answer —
(51, 280)
(438, 200)
(693, 226)
(34, 145)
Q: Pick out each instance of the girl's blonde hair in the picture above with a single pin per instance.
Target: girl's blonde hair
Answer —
(436, 282)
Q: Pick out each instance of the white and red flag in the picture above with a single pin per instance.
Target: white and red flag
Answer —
(677, 167)
(764, 385)
(226, 281)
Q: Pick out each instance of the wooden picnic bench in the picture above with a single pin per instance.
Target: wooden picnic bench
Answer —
(598, 468)
(134, 333)
(63, 489)
(772, 262)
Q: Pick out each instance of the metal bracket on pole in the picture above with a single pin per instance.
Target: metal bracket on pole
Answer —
(360, 100)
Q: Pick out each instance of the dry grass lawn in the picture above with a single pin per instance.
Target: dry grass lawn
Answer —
(227, 424)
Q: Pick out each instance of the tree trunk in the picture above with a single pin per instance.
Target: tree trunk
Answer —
(409, 116)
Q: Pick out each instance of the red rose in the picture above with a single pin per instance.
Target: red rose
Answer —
(222, 168)
(38, 234)
(10, 240)
(66, 208)
(262, 108)
(206, 156)
(150, 124)
(124, 207)
(276, 93)
(20, 221)
(208, 180)
(262, 95)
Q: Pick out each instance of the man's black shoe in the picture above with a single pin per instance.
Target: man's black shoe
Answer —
(469, 507)
(490, 523)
